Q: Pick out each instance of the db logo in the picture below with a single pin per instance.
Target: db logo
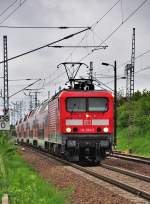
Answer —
(87, 122)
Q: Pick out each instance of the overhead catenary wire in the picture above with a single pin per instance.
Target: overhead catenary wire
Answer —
(142, 69)
(70, 55)
(103, 84)
(27, 79)
(24, 88)
(117, 28)
(21, 3)
(74, 27)
(79, 46)
(39, 48)
(42, 27)
(137, 57)
(122, 14)
(4, 11)
(126, 19)
(132, 13)
(91, 29)
(93, 26)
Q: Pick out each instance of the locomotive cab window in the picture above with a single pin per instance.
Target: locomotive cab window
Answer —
(93, 104)
(97, 104)
(76, 104)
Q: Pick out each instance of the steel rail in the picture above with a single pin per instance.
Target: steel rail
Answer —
(131, 158)
(131, 189)
(132, 155)
(126, 172)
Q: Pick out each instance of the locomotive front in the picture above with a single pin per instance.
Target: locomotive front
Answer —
(86, 124)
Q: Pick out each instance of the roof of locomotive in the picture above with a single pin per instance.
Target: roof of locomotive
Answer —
(85, 93)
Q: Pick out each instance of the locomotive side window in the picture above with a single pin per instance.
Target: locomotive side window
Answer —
(97, 104)
(76, 104)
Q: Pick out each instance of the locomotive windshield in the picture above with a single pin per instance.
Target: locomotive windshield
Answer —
(97, 104)
(76, 104)
(87, 104)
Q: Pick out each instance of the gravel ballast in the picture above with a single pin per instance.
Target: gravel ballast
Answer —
(86, 190)
(129, 165)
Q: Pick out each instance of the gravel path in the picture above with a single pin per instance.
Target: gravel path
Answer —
(129, 165)
(86, 190)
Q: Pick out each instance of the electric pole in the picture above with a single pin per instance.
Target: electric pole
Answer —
(129, 70)
(6, 94)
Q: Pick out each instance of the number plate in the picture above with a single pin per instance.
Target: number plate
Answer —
(4, 122)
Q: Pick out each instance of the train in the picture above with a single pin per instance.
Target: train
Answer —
(76, 123)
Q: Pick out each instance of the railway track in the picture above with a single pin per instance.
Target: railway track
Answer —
(126, 172)
(130, 157)
(102, 176)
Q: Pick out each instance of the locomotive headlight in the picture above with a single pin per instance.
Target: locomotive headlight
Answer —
(68, 129)
(87, 115)
(105, 129)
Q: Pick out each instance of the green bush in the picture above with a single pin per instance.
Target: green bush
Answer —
(139, 109)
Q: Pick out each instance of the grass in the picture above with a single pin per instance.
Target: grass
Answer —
(139, 143)
(139, 109)
(24, 185)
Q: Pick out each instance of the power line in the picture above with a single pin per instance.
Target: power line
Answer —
(24, 88)
(39, 48)
(122, 14)
(117, 28)
(143, 69)
(28, 79)
(140, 55)
(8, 8)
(79, 46)
(94, 24)
(131, 14)
(113, 80)
(21, 3)
(43, 27)
(101, 83)
(92, 28)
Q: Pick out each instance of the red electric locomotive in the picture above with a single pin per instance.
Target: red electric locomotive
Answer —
(76, 123)
(84, 124)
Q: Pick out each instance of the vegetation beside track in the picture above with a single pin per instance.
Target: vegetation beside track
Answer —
(21, 182)
(139, 108)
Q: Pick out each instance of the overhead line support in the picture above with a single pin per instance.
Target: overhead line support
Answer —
(6, 93)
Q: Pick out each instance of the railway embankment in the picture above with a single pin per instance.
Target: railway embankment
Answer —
(87, 187)
(134, 124)
(21, 182)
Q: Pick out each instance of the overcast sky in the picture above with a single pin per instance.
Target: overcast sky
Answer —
(43, 63)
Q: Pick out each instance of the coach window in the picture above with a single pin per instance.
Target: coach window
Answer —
(97, 104)
(76, 104)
